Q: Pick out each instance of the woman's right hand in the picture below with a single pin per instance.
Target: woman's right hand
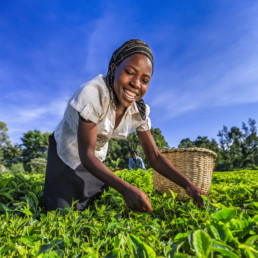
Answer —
(137, 200)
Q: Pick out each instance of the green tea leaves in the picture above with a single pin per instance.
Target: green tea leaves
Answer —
(223, 249)
(225, 215)
(219, 231)
(201, 243)
(227, 227)
(141, 250)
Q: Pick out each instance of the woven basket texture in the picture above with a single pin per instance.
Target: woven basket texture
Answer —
(196, 164)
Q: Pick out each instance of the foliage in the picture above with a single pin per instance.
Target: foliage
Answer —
(16, 168)
(226, 228)
(2, 168)
(32, 152)
(38, 165)
(4, 140)
(237, 149)
(11, 154)
(34, 145)
(159, 138)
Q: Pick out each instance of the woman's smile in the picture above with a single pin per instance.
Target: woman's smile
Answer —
(131, 95)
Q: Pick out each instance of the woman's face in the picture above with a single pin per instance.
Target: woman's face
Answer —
(132, 77)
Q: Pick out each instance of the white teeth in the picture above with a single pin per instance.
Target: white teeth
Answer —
(130, 94)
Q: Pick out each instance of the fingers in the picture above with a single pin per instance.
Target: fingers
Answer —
(143, 207)
(140, 203)
(200, 202)
(147, 207)
(196, 193)
(207, 197)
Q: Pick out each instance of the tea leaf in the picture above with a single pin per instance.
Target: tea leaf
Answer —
(220, 232)
(249, 251)
(45, 248)
(174, 248)
(141, 249)
(251, 240)
(223, 249)
(225, 215)
(113, 254)
(201, 243)
(27, 212)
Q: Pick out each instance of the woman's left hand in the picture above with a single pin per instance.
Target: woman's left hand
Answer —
(193, 191)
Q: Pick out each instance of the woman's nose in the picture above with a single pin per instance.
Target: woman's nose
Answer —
(136, 83)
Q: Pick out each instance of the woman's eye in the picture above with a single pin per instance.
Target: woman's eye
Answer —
(129, 72)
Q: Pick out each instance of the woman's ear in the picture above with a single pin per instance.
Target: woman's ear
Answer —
(113, 68)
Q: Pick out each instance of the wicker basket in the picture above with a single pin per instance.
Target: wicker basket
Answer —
(196, 164)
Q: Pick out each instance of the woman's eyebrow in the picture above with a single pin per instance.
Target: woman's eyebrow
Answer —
(146, 74)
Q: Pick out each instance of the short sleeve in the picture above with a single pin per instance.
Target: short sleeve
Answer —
(146, 125)
(87, 102)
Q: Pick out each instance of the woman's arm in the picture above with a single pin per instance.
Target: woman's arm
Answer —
(161, 164)
(87, 137)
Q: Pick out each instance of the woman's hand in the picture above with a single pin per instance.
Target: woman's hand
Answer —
(137, 200)
(193, 191)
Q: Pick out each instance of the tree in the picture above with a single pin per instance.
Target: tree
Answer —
(236, 144)
(4, 138)
(159, 138)
(11, 154)
(34, 145)
(114, 149)
(186, 143)
(200, 142)
(238, 149)
(38, 165)
(250, 145)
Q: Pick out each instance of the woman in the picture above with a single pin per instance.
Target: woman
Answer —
(107, 107)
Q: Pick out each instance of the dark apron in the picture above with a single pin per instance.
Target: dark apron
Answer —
(64, 185)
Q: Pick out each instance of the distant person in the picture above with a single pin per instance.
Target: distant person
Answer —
(135, 161)
(107, 107)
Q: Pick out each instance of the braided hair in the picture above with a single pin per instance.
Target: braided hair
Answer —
(129, 48)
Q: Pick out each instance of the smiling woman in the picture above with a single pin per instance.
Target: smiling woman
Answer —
(106, 107)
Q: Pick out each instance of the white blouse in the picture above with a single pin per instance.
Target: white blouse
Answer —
(92, 101)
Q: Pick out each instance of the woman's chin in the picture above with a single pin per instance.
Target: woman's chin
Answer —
(126, 102)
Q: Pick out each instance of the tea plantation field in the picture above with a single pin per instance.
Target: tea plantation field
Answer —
(226, 228)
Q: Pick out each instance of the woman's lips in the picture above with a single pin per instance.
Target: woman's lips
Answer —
(131, 95)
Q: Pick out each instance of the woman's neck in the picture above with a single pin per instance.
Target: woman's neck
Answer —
(121, 108)
(120, 111)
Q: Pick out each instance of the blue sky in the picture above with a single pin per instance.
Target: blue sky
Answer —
(205, 54)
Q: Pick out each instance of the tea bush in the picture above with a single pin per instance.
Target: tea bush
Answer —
(227, 227)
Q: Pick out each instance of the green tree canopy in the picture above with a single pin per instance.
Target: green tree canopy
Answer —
(200, 142)
(34, 145)
(159, 138)
(4, 137)
(186, 143)
(238, 149)
(4, 141)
